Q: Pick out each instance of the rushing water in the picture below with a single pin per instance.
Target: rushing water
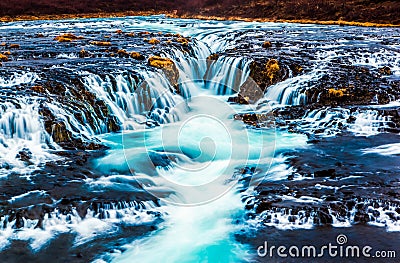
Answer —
(191, 157)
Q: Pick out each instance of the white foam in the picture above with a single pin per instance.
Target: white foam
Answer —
(22, 128)
(56, 222)
(18, 79)
(387, 149)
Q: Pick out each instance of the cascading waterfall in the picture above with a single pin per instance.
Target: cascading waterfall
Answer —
(225, 75)
(293, 90)
(129, 99)
(18, 79)
(369, 122)
(22, 129)
(290, 91)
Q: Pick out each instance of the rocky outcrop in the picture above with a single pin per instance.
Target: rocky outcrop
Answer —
(263, 74)
(354, 85)
(168, 67)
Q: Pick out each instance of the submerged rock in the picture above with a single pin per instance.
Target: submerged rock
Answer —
(385, 71)
(25, 155)
(153, 41)
(213, 57)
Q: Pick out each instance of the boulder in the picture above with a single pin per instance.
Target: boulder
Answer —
(169, 68)
(153, 41)
(267, 44)
(137, 56)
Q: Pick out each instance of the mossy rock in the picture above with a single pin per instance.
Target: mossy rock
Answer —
(3, 58)
(68, 37)
(137, 56)
(101, 43)
(169, 68)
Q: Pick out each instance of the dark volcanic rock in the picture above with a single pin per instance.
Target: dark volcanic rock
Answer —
(356, 190)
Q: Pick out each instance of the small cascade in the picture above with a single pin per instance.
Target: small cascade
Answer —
(72, 124)
(326, 122)
(313, 212)
(193, 65)
(369, 122)
(129, 97)
(381, 57)
(97, 219)
(291, 91)
(23, 139)
(18, 79)
(331, 121)
(225, 75)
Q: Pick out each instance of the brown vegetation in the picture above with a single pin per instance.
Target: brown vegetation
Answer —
(14, 46)
(136, 55)
(153, 41)
(267, 44)
(169, 68)
(160, 62)
(336, 92)
(272, 69)
(101, 43)
(68, 37)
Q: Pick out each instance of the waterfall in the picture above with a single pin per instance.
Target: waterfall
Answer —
(194, 157)
(225, 75)
(369, 122)
(22, 130)
(290, 91)
(128, 98)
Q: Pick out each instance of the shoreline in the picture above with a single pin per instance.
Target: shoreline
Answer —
(7, 19)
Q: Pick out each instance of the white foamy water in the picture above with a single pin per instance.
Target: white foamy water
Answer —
(387, 149)
(22, 129)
